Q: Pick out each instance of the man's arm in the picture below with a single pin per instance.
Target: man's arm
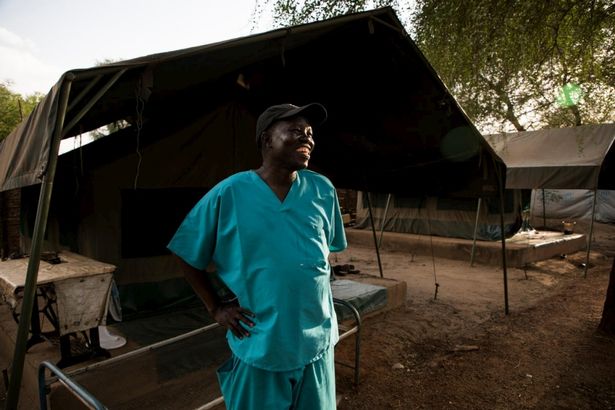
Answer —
(228, 315)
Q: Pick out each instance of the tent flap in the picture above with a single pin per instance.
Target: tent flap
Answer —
(392, 120)
(25, 152)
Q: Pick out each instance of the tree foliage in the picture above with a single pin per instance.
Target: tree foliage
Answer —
(14, 108)
(287, 12)
(512, 64)
(527, 64)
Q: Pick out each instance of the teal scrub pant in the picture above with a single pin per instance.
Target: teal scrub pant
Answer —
(249, 388)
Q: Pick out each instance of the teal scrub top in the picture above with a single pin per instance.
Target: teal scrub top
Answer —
(273, 255)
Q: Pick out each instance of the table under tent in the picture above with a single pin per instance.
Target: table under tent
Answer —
(575, 158)
(188, 120)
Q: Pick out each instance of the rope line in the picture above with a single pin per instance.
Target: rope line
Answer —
(433, 257)
(139, 107)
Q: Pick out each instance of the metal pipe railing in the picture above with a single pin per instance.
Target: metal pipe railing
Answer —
(142, 350)
(80, 392)
(215, 402)
(356, 330)
(73, 387)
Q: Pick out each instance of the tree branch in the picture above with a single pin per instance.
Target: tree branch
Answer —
(501, 92)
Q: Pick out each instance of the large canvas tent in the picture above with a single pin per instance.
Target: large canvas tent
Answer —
(562, 158)
(559, 158)
(466, 218)
(389, 112)
(573, 204)
(393, 127)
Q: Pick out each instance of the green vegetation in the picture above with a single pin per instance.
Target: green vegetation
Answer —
(14, 108)
(511, 64)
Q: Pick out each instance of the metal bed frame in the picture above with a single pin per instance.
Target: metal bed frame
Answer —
(66, 378)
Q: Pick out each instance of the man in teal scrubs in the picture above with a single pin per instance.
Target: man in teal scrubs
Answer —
(269, 233)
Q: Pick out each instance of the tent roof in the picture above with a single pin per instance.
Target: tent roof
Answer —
(393, 126)
(560, 158)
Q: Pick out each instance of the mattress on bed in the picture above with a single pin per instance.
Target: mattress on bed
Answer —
(364, 297)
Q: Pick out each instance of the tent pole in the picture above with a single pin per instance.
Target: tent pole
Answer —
(79, 97)
(93, 101)
(544, 210)
(371, 220)
(384, 218)
(504, 271)
(591, 233)
(475, 230)
(35, 252)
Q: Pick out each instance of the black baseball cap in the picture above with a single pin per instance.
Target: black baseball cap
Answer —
(315, 113)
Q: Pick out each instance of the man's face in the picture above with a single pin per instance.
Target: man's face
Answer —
(290, 143)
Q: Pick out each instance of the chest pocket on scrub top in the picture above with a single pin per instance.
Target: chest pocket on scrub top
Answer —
(315, 248)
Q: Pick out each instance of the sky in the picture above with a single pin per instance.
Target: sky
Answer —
(42, 39)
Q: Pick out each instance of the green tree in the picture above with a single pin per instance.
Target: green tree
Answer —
(511, 64)
(286, 12)
(523, 64)
(14, 108)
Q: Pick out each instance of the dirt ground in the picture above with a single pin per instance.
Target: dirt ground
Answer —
(460, 351)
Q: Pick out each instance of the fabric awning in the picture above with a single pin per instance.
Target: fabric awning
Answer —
(560, 158)
(394, 126)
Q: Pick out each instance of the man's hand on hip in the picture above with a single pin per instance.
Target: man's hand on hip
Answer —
(234, 318)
